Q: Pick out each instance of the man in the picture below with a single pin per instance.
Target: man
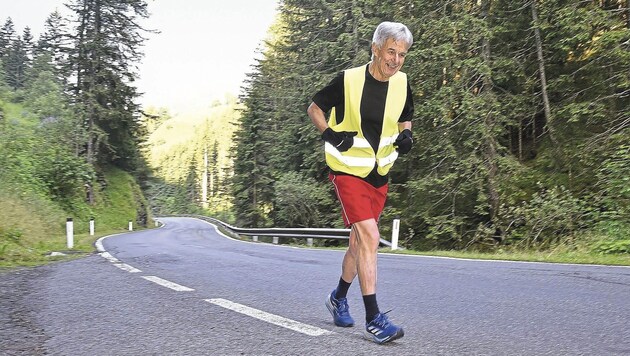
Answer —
(371, 108)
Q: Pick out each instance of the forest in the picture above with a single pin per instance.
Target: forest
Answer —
(71, 131)
(521, 125)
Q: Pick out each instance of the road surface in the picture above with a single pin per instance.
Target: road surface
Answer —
(184, 289)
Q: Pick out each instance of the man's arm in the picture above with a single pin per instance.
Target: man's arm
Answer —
(341, 140)
(404, 125)
(404, 140)
(317, 116)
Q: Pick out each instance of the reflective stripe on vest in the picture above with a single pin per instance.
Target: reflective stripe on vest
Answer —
(360, 159)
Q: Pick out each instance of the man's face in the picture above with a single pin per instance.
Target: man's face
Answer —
(389, 58)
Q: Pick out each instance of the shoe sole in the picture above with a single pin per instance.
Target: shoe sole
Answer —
(368, 335)
(331, 309)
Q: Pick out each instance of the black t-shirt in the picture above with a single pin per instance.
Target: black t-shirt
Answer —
(372, 112)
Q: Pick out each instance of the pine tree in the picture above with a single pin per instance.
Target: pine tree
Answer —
(106, 49)
(252, 189)
(43, 92)
(56, 41)
(17, 63)
(7, 36)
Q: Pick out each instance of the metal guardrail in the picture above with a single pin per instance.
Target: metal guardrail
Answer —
(318, 233)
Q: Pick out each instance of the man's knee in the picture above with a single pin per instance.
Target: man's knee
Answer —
(366, 233)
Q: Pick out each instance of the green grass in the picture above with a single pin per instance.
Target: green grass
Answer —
(119, 203)
(15, 112)
(32, 227)
(573, 253)
(581, 250)
(39, 254)
(531, 256)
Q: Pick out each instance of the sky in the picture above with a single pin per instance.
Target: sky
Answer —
(203, 51)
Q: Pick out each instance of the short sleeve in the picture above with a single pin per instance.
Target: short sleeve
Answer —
(407, 113)
(331, 95)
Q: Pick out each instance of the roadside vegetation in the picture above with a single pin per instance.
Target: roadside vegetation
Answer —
(70, 132)
(521, 124)
(521, 130)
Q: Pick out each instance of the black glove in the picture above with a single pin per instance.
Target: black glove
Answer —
(403, 142)
(342, 140)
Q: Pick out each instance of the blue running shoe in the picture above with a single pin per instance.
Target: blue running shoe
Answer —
(339, 310)
(381, 330)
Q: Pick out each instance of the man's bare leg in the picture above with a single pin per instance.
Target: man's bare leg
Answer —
(364, 248)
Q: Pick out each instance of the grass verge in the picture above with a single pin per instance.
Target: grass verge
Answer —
(525, 256)
(33, 226)
(40, 253)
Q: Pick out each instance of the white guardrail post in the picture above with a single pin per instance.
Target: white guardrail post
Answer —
(395, 231)
(70, 233)
(130, 225)
(91, 226)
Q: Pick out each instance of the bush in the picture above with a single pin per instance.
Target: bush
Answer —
(611, 237)
(548, 217)
(612, 247)
(302, 202)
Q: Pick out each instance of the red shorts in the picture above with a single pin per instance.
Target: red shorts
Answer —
(359, 199)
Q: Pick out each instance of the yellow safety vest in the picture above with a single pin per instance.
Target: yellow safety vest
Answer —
(360, 159)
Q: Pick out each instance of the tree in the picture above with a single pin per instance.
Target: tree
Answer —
(43, 92)
(299, 203)
(56, 41)
(7, 36)
(252, 183)
(18, 60)
(106, 49)
(308, 45)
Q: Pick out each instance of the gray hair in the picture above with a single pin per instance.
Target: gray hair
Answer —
(395, 30)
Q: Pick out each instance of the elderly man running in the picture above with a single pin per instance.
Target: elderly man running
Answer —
(369, 125)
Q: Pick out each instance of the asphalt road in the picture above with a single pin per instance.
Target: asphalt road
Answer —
(184, 289)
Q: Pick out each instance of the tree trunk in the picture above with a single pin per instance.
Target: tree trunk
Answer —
(520, 140)
(542, 74)
(490, 150)
(82, 90)
(254, 194)
(204, 180)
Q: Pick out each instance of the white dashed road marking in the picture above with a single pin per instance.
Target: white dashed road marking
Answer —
(239, 308)
(168, 284)
(270, 318)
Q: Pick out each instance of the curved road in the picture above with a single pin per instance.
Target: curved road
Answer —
(185, 289)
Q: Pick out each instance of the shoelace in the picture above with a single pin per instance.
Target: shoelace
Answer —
(342, 306)
(382, 320)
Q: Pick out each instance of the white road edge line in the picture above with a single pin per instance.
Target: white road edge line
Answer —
(270, 318)
(168, 284)
(505, 261)
(106, 255)
(435, 257)
(109, 257)
(126, 267)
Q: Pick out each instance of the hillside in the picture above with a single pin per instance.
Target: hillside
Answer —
(40, 187)
(176, 150)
